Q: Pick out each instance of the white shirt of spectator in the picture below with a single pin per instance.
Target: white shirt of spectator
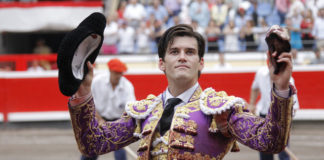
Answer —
(134, 12)
(111, 103)
(126, 39)
(262, 82)
(111, 33)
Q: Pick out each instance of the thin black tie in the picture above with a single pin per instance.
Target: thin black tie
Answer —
(167, 115)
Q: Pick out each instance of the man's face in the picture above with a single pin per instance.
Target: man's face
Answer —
(115, 77)
(181, 61)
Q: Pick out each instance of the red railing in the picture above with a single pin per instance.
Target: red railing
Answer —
(20, 62)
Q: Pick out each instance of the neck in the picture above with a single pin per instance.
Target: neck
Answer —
(178, 88)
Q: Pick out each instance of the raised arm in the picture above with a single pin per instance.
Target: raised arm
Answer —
(268, 134)
(96, 137)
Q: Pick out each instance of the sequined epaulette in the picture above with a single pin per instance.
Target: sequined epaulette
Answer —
(141, 109)
(212, 102)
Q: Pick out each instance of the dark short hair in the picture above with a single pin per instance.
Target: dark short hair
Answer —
(180, 30)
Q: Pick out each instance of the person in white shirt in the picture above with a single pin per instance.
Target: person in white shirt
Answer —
(134, 13)
(126, 38)
(262, 85)
(109, 45)
(318, 30)
(111, 91)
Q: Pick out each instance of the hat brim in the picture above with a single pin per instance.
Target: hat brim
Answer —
(77, 47)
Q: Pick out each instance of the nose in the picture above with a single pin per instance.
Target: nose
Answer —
(182, 56)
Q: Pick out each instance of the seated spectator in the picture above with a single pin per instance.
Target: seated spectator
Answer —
(42, 48)
(35, 67)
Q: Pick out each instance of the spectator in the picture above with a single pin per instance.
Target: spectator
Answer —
(219, 13)
(198, 11)
(248, 33)
(296, 6)
(306, 27)
(196, 27)
(126, 38)
(43, 49)
(313, 5)
(159, 11)
(175, 20)
(241, 18)
(295, 36)
(173, 7)
(134, 13)
(35, 66)
(109, 45)
(318, 30)
(110, 93)
(212, 33)
(231, 37)
(158, 31)
(261, 31)
(282, 9)
(143, 38)
(121, 9)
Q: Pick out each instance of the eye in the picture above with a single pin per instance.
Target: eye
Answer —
(174, 52)
(190, 52)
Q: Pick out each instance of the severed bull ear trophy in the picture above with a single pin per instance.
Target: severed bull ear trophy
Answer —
(278, 40)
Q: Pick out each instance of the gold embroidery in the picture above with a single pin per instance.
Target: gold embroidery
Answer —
(176, 155)
(182, 142)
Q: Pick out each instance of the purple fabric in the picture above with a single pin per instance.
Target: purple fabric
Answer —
(94, 139)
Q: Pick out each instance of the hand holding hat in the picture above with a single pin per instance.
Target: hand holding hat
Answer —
(277, 39)
(280, 65)
(77, 47)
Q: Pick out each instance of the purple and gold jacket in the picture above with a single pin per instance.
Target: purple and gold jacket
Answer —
(207, 127)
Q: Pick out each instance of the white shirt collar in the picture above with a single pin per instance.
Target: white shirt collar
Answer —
(185, 96)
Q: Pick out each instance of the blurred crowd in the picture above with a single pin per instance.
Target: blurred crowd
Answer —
(227, 25)
(135, 26)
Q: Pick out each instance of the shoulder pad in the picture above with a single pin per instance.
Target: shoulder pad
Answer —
(212, 102)
(141, 109)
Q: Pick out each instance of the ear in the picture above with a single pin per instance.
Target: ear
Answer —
(201, 64)
(161, 65)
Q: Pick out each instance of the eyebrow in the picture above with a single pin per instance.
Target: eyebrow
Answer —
(176, 48)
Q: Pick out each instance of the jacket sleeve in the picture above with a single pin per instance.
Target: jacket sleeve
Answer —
(96, 137)
(268, 134)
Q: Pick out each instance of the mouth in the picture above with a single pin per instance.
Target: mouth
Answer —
(182, 66)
